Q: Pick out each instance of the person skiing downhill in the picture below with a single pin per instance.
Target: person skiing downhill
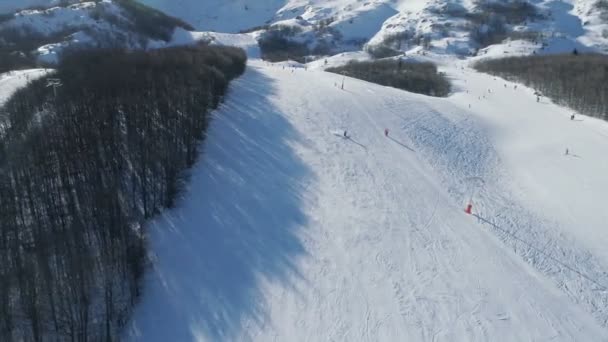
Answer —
(386, 132)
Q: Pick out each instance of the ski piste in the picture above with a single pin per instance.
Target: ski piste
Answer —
(288, 232)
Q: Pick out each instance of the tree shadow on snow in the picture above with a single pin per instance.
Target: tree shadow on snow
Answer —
(238, 223)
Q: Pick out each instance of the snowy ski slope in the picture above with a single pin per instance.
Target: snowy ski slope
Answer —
(288, 232)
(12, 81)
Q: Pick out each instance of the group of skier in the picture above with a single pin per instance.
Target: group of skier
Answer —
(386, 131)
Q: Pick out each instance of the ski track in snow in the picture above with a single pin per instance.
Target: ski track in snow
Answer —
(289, 232)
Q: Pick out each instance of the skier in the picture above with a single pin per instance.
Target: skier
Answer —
(572, 117)
(386, 132)
(567, 152)
(345, 135)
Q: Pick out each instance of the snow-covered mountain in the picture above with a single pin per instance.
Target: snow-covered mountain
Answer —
(453, 27)
(382, 27)
(57, 26)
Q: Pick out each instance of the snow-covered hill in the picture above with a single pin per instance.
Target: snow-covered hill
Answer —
(12, 81)
(291, 232)
(384, 27)
(75, 24)
(451, 27)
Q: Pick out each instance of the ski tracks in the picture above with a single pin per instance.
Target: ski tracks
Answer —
(392, 256)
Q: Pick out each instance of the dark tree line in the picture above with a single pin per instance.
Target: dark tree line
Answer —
(488, 23)
(276, 44)
(150, 22)
(421, 78)
(381, 51)
(578, 81)
(393, 44)
(81, 168)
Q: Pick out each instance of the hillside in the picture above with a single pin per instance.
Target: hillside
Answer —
(459, 27)
(383, 27)
(317, 29)
(366, 238)
(315, 206)
(43, 33)
(83, 165)
(12, 81)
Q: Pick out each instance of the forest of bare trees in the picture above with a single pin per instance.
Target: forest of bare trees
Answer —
(488, 23)
(574, 80)
(421, 78)
(82, 166)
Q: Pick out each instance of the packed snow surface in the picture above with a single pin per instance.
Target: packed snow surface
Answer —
(289, 231)
(13, 80)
